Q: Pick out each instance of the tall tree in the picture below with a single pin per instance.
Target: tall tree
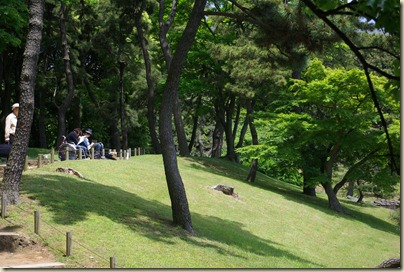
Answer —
(179, 202)
(165, 46)
(151, 116)
(12, 175)
(62, 109)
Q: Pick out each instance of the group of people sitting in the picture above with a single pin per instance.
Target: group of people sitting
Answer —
(82, 140)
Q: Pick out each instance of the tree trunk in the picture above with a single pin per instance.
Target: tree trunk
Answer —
(42, 121)
(351, 187)
(360, 199)
(179, 202)
(351, 169)
(339, 185)
(179, 127)
(151, 117)
(253, 171)
(114, 131)
(62, 109)
(165, 47)
(75, 112)
(195, 124)
(124, 130)
(254, 164)
(217, 140)
(236, 122)
(231, 153)
(242, 133)
(15, 164)
(310, 191)
(333, 202)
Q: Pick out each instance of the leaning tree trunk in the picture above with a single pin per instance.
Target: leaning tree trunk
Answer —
(179, 202)
(352, 169)
(165, 47)
(333, 202)
(15, 164)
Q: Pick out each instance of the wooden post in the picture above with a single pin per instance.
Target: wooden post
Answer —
(67, 154)
(39, 160)
(36, 222)
(124, 154)
(92, 153)
(69, 241)
(103, 152)
(26, 163)
(120, 154)
(3, 205)
(138, 149)
(52, 155)
(80, 153)
(112, 262)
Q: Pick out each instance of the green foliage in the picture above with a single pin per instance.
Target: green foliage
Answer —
(13, 19)
(336, 108)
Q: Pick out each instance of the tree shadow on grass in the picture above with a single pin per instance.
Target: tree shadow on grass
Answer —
(71, 200)
(285, 190)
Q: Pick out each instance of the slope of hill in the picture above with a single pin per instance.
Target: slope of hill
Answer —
(122, 209)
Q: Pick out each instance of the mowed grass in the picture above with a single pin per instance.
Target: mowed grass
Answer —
(122, 209)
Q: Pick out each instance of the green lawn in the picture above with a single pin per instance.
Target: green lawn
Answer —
(122, 209)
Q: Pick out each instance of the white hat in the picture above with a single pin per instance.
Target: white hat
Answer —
(15, 105)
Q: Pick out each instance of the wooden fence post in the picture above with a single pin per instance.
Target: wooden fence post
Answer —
(80, 153)
(26, 163)
(3, 205)
(36, 222)
(120, 154)
(103, 152)
(52, 155)
(112, 262)
(69, 241)
(39, 160)
(92, 153)
(67, 154)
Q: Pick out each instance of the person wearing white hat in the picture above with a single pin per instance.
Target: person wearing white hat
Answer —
(11, 124)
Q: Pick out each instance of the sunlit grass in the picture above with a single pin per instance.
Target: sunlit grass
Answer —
(122, 209)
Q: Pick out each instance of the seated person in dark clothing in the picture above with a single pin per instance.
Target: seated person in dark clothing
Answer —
(74, 136)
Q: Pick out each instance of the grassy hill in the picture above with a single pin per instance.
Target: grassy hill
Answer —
(122, 209)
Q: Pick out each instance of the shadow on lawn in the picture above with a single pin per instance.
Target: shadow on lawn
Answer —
(321, 204)
(71, 200)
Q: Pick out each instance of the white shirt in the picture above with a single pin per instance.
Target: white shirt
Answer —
(11, 124)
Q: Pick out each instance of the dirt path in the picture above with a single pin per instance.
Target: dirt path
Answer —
(23, 250)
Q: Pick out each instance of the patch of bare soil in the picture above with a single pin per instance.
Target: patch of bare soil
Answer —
(19, 250)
